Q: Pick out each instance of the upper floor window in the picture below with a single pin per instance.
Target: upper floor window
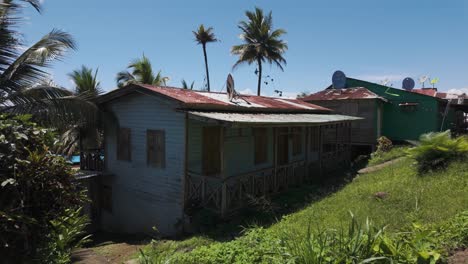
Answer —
(156, 148)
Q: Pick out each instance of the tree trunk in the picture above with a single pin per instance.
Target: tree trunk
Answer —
(206, 67)
(259, 61)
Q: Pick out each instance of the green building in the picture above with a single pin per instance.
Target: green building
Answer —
(406, 114)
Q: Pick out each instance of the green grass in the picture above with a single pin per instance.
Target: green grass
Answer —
(430, 199)
(381, 157)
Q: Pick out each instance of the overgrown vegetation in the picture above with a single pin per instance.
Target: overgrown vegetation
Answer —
(386, 151)
(38, 200)
(436, 150)
(380, 157)
(419, 219)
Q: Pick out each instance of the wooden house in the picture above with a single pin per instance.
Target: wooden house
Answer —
(355, 102)
(175, 149)
(398, 114)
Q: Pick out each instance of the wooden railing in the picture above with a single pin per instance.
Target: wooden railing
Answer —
(91, 160)
(224, 195)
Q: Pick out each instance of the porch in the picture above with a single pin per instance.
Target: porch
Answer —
(229, 164)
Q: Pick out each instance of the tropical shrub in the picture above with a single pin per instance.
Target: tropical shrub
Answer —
(436, 150)
(36, 189)
(66, 233)
(384, 144)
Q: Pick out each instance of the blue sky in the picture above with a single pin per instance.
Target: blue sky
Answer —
(372, 40)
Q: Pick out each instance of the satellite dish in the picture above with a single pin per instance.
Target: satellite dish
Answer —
(339, 80)
(423, 79)
(408, 84)
(385, 82)
(230, 87)
(434, 82)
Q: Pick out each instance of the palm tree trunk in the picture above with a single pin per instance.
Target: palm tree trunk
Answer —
(259, 61)
(206, 67)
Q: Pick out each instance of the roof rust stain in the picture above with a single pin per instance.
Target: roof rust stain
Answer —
(342, 94)
(215, 100)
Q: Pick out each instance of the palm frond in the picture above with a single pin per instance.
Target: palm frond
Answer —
(86, 81)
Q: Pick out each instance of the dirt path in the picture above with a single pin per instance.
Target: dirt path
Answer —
(109, 248)
(460, 257)
(379, 166)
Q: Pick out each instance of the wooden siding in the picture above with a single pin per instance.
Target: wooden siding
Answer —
(144, 196)
(362, 131)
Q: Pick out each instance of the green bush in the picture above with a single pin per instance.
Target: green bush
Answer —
(436, 150)
(36, 188)
(66, 233)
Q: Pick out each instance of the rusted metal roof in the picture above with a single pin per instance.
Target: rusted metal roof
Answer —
(342, 94)
(239, 119)
(426, 91)
(200, 100)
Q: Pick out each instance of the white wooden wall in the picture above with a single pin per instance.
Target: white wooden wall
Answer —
(143, 196)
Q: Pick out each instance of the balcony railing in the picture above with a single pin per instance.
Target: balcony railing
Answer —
(224, 195)
(92, 160)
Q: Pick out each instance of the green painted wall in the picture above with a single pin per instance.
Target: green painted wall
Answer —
(403, 123)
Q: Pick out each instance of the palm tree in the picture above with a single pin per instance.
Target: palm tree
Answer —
(261, 43)
(186, 86)
(85, 81)
(203, 36)
(142, 72)
(24, 85)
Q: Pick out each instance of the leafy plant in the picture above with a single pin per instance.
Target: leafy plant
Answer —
(436, 150)
(66, 233)
(36, 187)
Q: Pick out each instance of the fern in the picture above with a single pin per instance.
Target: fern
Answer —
(436, 150)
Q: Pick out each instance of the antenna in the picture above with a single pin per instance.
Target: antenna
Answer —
(408, 84)
(231, 92)
(423, 79)
(434, 82)
(339, 80)
(230, 87)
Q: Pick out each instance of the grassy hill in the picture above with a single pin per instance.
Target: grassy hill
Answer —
(395, 197)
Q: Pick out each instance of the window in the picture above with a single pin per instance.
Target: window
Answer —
(211, 151)
(315, 139)
(156, 148)
(260, 145)
(296, 141)
(123, 144)
(106, 198)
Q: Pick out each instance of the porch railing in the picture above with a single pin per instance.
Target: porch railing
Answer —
(91, 160)
(224, 195)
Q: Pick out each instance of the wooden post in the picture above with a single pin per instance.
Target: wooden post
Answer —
(275, 157)
(185, 184)
(307, 150)
(223, 175)
(320, 151)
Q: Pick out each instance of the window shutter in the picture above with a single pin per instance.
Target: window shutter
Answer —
(156, 148)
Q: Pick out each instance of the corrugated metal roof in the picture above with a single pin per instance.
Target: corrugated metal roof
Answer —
(342, 94)
(219, 101)
(269, 119)
(426, 91)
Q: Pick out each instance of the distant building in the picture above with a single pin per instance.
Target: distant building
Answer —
(172, 151)
(405, 114)
(355, 102)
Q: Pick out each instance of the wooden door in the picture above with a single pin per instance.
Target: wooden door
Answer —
(283, 149)
(212, 151)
